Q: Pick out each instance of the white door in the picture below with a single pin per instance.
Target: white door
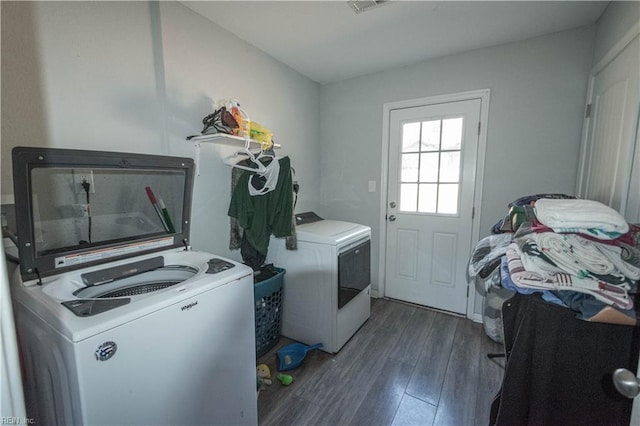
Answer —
(610, 163)
(635, 413)
(432, 163)
(632, 212)
(611, 133)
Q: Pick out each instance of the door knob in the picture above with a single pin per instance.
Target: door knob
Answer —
(626, 382)
(392, 218)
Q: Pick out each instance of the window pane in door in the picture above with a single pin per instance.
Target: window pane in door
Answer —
(410, 165)
(430, 135)
(428, 198)
(448, 199)
(450, 166)
(411, 137)
(429, 167)
(408, 197)
(452, 133)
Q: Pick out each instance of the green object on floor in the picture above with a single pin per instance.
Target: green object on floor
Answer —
(285, 379)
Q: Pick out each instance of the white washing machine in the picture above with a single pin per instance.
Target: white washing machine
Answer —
(328, 287)
(119, 321)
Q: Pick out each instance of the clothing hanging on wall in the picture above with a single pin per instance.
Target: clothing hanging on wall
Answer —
(255, 218)
(262, 183)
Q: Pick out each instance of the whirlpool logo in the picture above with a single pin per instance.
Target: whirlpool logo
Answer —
(105, 351)
(188, 306)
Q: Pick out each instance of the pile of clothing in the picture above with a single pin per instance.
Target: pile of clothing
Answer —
(578, 253)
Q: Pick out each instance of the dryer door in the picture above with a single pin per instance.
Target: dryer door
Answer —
(354, 272)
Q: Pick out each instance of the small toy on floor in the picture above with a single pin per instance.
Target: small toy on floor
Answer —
(285, 379)
(264, 376)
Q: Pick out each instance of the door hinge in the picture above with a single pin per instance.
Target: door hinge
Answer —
(587, 112)
(468, 291)
(473, 212)
(479, 124)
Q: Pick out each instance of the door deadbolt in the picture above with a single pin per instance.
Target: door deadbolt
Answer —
(392, 218)
(392, 204)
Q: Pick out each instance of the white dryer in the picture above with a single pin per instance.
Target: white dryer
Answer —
(119, 321)
(327, 291)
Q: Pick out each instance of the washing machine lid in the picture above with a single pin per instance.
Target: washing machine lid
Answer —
(78, 311)
(333, 232)
(77, 208)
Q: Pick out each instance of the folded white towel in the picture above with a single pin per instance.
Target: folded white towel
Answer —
(579, 214)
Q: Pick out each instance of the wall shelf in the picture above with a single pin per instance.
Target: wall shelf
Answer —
(221, 138)
(225, 138)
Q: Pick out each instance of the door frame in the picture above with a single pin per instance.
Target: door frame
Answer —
(483, 95)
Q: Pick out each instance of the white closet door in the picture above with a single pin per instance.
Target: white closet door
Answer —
(632, 213)
(610, 161)
(608, 150)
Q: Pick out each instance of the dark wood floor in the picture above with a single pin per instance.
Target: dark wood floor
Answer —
(405, 366)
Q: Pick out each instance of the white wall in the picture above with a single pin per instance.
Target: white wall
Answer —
(205, 62)
(538, 89)
(617, 19)
(139, 77)
(77, 75)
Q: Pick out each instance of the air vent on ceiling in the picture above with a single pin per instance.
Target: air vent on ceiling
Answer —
(360, 6)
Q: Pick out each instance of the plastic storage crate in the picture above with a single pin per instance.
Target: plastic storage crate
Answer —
(268, 304)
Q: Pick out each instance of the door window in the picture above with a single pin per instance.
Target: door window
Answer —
(430, 166)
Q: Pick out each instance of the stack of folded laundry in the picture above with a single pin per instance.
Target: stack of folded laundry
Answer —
(578, 253)
(584, 253)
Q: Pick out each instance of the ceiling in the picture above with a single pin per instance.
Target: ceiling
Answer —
(327, 41)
